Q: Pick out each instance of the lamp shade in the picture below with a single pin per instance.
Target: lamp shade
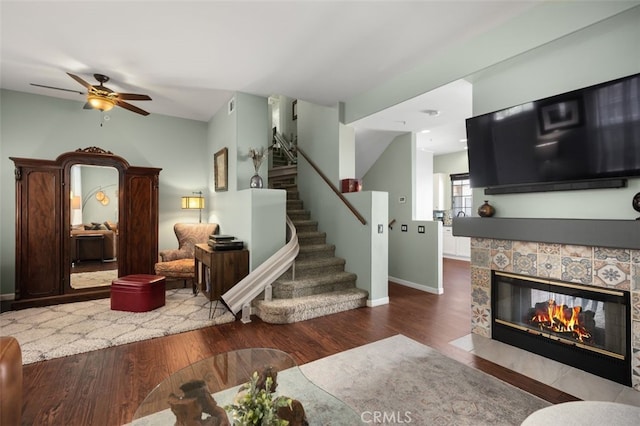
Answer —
(193, 202)
(76, 202)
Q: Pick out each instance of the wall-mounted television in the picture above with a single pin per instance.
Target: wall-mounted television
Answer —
(586, 138)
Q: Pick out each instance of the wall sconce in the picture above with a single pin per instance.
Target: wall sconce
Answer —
(194, 202)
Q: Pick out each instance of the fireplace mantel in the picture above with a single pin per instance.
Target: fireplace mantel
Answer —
(587, 232)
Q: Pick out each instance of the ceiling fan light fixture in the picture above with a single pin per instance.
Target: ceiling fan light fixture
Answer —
(100, 102)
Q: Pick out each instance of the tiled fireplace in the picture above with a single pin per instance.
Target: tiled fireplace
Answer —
(589, 266)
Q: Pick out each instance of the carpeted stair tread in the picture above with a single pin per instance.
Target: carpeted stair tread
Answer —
(288, 186)
(322, 286)
(284, 311)
(316, 250)
(285, 288)
(298, 214)
(315, 267)
(311, 237)
(304, 222)
(303, 225)
(294, 204)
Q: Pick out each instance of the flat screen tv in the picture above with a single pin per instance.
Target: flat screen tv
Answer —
(590, 134)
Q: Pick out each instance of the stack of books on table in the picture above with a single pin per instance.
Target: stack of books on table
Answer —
(225, 242)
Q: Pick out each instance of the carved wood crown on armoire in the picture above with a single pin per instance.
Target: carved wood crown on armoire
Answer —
(43, 225)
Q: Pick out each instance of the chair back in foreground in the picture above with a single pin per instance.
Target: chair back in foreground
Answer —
(10, 381)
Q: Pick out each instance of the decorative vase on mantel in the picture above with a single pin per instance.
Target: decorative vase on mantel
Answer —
(486, 210)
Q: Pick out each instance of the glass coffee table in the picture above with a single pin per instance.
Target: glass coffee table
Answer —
(225, 373)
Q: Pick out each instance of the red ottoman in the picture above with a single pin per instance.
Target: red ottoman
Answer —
(137, 293)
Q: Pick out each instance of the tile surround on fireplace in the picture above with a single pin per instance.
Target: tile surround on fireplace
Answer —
(606, 267)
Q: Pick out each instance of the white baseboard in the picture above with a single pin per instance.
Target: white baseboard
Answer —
(455, 257)
(417, 286)
(378, 302)
(7, 296)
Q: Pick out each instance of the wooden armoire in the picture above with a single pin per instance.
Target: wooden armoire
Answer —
(43, 227)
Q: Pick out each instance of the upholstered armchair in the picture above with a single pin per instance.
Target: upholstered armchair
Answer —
(179, 264)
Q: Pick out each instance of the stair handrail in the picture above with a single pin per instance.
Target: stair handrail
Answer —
(332, 186)
(289, 147)
(264, 275)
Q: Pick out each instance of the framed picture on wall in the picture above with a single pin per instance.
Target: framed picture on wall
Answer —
(220, 162)
(294, 109)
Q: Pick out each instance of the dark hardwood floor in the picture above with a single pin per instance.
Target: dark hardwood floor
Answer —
(105, 387)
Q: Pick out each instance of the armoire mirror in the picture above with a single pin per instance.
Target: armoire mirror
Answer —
(46, 220)
(94, 215)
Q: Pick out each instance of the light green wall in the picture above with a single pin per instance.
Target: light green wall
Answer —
(455, 162)
(414, 259)
(422, 178)
(347, 152)
(256, 216)
(543, 24)
(253, 131)
(322, 137)
(35, 126)
(599, 53)
(95, 179)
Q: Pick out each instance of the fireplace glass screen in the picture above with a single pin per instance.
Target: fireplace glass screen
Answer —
(593, 319)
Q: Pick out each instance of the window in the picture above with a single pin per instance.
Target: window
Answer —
(461, 198)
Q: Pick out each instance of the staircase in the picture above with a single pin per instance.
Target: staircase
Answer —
(317, 284)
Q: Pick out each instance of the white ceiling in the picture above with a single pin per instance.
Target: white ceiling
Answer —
(191, 56)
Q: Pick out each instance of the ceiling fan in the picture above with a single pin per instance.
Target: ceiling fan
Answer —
(101, 97)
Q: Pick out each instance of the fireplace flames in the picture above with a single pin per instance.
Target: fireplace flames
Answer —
(560, 319)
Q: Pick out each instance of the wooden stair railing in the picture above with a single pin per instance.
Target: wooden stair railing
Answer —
(346, 202)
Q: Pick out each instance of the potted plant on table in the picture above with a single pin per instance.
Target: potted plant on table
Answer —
(256, 404)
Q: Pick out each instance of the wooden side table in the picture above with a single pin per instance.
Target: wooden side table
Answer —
(218, 271)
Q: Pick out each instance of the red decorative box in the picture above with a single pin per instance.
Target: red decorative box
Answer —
(351, 185)
(138, 293)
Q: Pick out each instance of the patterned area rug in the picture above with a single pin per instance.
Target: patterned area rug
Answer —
(93, 279)
(72, 328)
(394, 381)
(402, 381)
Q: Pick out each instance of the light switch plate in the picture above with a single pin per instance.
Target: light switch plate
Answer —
(380, 228)
(420, 229)
(403, 228)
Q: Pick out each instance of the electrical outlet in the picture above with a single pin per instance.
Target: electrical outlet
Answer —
(421, 229)
(403, 228)
(380, 228)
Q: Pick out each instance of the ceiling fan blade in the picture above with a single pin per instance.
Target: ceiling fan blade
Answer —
(131, 107)
(57, 88)
(81, 81)
(133, 97)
